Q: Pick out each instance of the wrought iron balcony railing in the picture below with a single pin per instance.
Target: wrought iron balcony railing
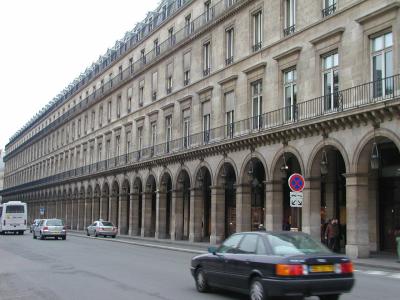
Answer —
(164, 47)
(345, 100)
(329, 10)
(289, 30)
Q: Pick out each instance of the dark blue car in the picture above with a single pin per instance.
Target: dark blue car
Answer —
(267, 264)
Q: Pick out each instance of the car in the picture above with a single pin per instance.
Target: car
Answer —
(268, 264)
(34, 224)
(50, 228)
(102, 228)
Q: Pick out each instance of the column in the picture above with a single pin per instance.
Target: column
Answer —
(196, 214)
(161, 215)
(120, 198)
(217, 214)
(357, 211)
(177, 215)
(273, 205)
(373, 210)
(146, 214)
(134, 214)
(243, 207)
(311, 211)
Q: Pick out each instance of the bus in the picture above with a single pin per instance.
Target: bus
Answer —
(13, 217)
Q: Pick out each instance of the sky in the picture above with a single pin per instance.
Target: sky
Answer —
(46, 44)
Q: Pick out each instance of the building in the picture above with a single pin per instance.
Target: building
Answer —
(189, 128)
(1, 173)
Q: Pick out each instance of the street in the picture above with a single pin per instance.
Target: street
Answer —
(81, 268)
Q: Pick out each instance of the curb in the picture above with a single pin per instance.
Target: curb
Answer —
(142, 244)
(365, 264)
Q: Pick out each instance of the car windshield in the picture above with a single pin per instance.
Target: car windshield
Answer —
(285, 244)
(15, 209)
(107, 224)
(54, 223)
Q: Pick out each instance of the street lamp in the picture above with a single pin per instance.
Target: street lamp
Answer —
(375, 157)
(324, 163)
(284, 167)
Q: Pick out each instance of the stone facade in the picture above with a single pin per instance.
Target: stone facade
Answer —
(196, 139)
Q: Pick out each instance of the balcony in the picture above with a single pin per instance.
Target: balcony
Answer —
(330, 10)
(289, 30)
(257, 46)
(382, 94)
(198, 24)
(206, 71)
(229, 61)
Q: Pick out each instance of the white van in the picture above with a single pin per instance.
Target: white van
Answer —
(13, 217)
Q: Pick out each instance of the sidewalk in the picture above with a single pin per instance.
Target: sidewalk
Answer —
(378, 261)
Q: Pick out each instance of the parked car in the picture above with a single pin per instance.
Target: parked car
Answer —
(50, 228)
(268, 264)
(34, 224)
(102, 228)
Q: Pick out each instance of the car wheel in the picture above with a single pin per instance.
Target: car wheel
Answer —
(64, 238)
(41, 237)
(113, 236)
(22, 232)
(95, 234)
(329, 297)
(201, 281)
(87, 232)
(257, 291)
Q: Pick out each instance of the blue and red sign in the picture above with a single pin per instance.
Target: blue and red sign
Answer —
(296, 182)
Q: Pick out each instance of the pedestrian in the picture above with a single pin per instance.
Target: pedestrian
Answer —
(332, 235)
(324, 225)
(261, 227)
(397, 237)
(286, 226)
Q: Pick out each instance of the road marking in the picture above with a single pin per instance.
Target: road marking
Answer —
(379, 273)
(396, 276)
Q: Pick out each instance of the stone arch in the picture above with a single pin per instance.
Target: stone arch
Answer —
(165, 172)
(226, 160)
(183, 168)
(322, 144)
(275, 166)
(202, 165)
(244, 167)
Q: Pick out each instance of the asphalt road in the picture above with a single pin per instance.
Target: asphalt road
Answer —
(81, 268)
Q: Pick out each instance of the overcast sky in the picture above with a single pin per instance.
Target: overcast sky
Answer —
(46, 44)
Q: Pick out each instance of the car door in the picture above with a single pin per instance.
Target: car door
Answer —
(238, 266)
(92, 228)
(38, 227)
(215, 265)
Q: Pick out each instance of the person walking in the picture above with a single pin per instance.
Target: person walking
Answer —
(332, 235)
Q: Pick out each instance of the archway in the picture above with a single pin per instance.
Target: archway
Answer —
(164, 207)
(182, 206)
(380, 159)
(96, 204)
(201, 216)
(88, 207)
(104, 203)
(149, 207)
(81, 209)
(114, 204)
(136, 211)
(125, 208)
(286, 165)
(328, 194)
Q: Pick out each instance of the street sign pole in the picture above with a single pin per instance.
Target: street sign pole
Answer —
(296, 185)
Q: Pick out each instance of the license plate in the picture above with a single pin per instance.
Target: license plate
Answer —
(56, 232)
(321, 268)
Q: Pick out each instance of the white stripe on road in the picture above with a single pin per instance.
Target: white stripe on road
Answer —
(396, 276)
(379, 273)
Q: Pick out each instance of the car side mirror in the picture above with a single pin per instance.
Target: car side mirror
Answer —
(212, 250)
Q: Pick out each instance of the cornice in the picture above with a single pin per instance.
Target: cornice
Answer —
(329, 34)
(370, 16)
(255, 67)
(228, 79)
(205, 89)
(294, 50)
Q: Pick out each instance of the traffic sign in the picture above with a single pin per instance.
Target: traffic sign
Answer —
(41, 211)
(296, 199)
(296, 182)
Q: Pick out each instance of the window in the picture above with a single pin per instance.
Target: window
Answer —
(248, 245)
(230, 113)
(329, 7)
(229, 3)
(100, 116)
(156, 47)
(109, 107)
(206, 121)
(128, 142)
(150, 24)
(168, 132)
(382, 64)
(102, 86)
(110, 79)
(186, 68)
(129, 101)
(153, 134)
(154, 85)
(118, 106)
(186, 128)
(72, 133)
(256, 103)
(142, 56)
(229, 34)
(290, 94)
(99, 148)
(85, 124)
(206, 59)
(108, 149)
(117, 145)
(330, 75)
(141, 93)
(208, 11)
(79, 127)
(120, 72)
(188, 24)
(171, 36)
(257, 31)
(131, 65)
(290, 17)
(93, 119)
(230, 245)
(140, 138)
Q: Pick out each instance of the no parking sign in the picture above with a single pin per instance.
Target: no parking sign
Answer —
(296, 182)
